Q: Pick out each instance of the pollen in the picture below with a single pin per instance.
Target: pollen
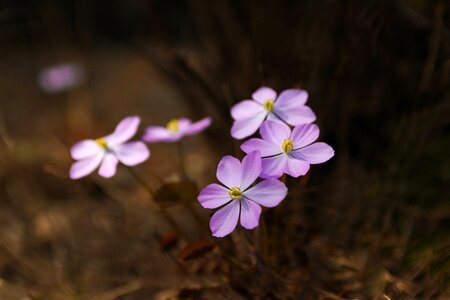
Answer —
(287, 145)
(235, 193)
(173, 125)
(102, 143)
(268, 105)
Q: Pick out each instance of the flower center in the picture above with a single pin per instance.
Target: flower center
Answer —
(287, 145)
(102, 143)
(173, 125)
(235, 193)
(268, 104)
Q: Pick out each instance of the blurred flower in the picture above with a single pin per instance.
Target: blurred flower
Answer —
(175, 130)
(61, 77)
(237, 198)
(289, 108)
(107, 151)
(288, 152)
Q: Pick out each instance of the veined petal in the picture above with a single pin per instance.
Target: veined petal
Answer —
(84, 149)
(198, 126)
(86, 166)
(224, 221)
(124, 131)
(273, 167)
(243, 128)
(108, 166)
(250, 212)
(251, 169)
(294, 116)
(155, 134)
(316, 153)
(133, 153)
(213, 196)
(292, 98)
(275, 132)
(305, 134)
(229, 171)
(268, 193)
(246, 109)
(296, 167)
(264, 147)
(263, 94)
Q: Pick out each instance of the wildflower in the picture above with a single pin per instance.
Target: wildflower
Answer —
(289, 108)
(175, 130)
(288, 152)
(237, 199)
(107, 151)
(61, 77)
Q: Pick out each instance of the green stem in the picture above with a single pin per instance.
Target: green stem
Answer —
(179, 146)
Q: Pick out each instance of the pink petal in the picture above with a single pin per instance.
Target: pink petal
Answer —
(315, 153)
(275, 132)
(292, 98)
(132, 153)
(251, 169)
(108, 166)
(305, 134)
(124, 131)
(268, 193)
(296, 167)
(243, 128)
(84, 149)
(224, 221)
(86, 166)
(213, 196)
(198, 126)
(264, 147)
(294, 116)
(229, 171)
(273, 167)
(250, 212)
(184, 124)
(246, 109)
(263, 94)
(155, 134)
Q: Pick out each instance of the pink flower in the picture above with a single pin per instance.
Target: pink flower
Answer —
(289, 108)
(288, 152)
(175, 130)
(61, 77)
(107, 151)
(236, 197)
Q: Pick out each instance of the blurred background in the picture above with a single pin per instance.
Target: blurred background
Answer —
(372, 223)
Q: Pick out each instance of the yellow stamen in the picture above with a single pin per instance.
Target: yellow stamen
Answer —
(102, 143)
(173, 125)
(268, 105)
(235, 193)
(287, 145)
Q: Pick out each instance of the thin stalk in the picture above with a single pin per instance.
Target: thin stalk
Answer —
(179, 146)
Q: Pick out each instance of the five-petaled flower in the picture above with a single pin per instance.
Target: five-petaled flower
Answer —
(288, 152)
(107, 151)
(175, 130)
(289, 107)
(236, 197)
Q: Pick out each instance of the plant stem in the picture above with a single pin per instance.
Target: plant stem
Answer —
(179, 146)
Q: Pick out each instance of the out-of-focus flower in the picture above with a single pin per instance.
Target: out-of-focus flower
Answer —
(239, 201)
(107, 151)
(289, 107)
(288, 152)
(175, 130)
(61, 77)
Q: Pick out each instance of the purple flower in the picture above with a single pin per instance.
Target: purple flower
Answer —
(107, 151)
(288, 152)
(289, 107)
(175, 130)
(61, 77)
(239, 201)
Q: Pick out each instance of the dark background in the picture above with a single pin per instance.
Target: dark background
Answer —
(372, 223)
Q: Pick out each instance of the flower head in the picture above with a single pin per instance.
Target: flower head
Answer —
(288, 152)
(61, 77)
(107, 151)
(288, 107)
(236, 197)
(175, 130)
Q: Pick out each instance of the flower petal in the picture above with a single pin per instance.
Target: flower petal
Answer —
(132, 153)
(273, 167)
(292, 98)
(304, 135)
(84, 149)
(229, 171)
(108, 166)
(86, 166)
(246, 109)
(275, 132)
(213, 196)
(294, 116)
(264, 147)
(124, 131)
(251, 169)
(250, 212)
(296, 167)
(315, 153)
(155, 134)
(198, 126)
(263, 94)
(224, 221)
(268, 193)
(243, 128)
